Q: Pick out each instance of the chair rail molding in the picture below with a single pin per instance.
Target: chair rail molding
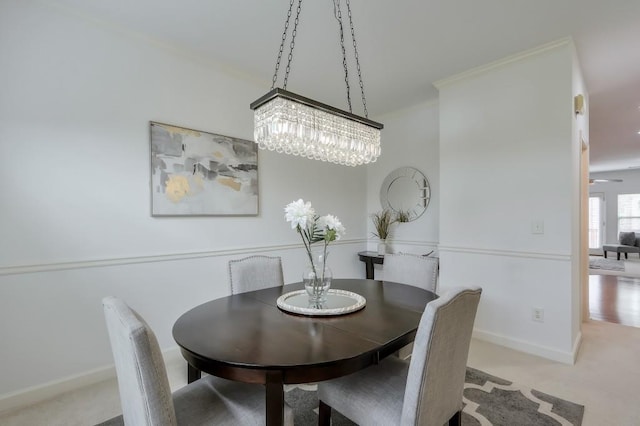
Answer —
(97, 263)
(506, 253)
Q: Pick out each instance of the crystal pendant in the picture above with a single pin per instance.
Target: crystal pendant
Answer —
(283, 124)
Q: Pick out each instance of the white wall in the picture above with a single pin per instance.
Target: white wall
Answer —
(506, 163)
(630, 185)
(409, 139)
(76, 97)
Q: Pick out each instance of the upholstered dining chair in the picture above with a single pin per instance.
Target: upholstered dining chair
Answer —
(249, 274)
(144, 387)
(255, 273)
(427, 390)
(412, 269)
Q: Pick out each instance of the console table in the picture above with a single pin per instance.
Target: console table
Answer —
(369, 258)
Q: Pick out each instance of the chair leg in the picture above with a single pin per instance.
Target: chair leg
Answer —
(605, 254)
(618, 255)
(626, 255)
(324, 414)
(456, 419)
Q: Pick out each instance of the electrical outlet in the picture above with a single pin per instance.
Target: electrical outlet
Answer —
(537, 314)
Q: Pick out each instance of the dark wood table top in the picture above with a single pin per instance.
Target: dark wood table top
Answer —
(373, 255)
(246, 337)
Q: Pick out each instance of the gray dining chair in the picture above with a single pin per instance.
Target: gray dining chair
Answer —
(427, 390)
(145, 394)
(249, 274)
(255, 273)
(412, 269)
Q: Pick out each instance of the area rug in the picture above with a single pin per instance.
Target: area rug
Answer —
(488, 400)
(600, 263)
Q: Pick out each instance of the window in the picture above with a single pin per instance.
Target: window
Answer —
(628, 212)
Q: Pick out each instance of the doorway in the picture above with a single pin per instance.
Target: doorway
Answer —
(596, 222)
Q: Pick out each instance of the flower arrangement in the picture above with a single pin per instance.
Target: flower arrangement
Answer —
(313, 228)
(382, 222)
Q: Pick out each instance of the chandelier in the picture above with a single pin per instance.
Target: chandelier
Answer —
(287, 122)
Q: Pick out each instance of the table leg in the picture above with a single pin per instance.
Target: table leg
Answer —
(193, 373)
(275, 399)
(369, 268)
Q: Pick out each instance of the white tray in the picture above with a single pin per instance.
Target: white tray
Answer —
(339, 302)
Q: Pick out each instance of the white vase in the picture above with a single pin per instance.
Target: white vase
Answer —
(382, 247)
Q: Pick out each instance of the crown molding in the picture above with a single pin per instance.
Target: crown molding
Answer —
(567, 41)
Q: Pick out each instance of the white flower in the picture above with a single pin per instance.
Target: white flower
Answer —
(331, 223)
(299, 213)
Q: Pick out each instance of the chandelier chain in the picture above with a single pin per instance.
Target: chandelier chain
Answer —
(291, 46)
(338, 15)
(293, 124)
(284, 38)
(355, 53)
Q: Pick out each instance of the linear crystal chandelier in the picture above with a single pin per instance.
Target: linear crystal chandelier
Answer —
(293, 124)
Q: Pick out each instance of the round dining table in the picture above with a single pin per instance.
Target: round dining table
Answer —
(247, 338)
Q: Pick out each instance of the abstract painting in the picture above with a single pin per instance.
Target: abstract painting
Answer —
(196, 173)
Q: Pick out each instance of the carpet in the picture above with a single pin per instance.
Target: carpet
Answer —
(599, 262)
(488, 400)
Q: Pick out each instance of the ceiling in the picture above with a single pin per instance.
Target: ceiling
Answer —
(404, 46)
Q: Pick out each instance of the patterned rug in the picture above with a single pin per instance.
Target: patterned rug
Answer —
(488, 401)
(599, 262)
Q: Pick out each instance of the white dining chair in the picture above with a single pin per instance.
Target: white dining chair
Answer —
(425, 391)
(255, 273)
(145, 394)
(412, 269)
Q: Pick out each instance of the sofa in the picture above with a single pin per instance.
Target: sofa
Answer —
(628, 242)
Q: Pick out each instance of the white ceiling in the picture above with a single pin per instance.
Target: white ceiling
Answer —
(406, 45)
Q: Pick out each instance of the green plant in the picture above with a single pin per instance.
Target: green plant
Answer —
(382, 222)
(402, 216)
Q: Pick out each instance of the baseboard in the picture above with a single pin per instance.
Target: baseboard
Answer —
(576, 346)
(528, 347)
(36, 394)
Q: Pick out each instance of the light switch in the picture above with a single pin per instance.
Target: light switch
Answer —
(537, 227)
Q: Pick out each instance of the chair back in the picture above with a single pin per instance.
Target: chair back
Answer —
(255, 273)
(412, 269)
(145, 394)
(437, 369)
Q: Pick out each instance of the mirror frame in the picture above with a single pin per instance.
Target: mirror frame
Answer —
(422, 195)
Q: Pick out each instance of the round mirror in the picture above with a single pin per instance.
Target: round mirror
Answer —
(406, 192)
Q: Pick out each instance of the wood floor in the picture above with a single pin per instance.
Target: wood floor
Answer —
(614, 298)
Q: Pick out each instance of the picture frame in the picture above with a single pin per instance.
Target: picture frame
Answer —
(197, 173)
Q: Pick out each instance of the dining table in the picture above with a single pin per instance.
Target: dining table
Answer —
(248, 338)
